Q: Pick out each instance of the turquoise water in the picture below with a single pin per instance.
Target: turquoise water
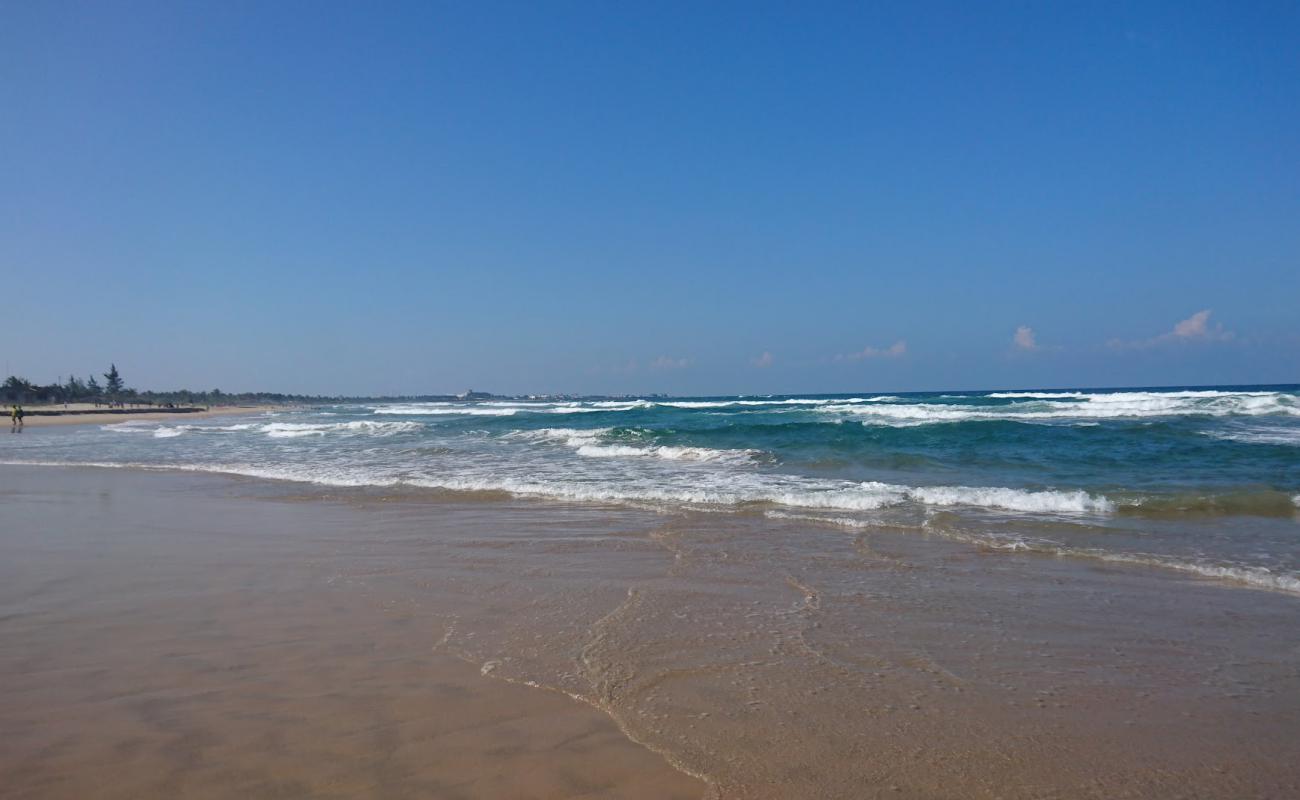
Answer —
(1202, 480)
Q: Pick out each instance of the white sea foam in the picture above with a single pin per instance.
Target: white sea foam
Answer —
(577, 409)
(893, 410)
(1028, 395)
(171, 431)
(714, 488)
(863, 497)
(573, 437)
(633, 465)
(294, 430)
(852, 523)
(1047, 502)
(747, 403)
(707, 454)
(739, 489)
(439, 409)
(620, 404)
(508, 408)
(1255, 577)
(1119, 405)
(571, 407)
(1250, 576)
(1284, 436)
(669, 453)
(588, 444)
(1078, 395)
(794, 401)
(610, 450)
(703, 493)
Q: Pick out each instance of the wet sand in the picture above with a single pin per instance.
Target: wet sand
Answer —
(86, 416)
(187, 635)
(159, 645)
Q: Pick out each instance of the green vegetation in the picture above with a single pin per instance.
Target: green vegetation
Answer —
(113, 385)
(114, 390)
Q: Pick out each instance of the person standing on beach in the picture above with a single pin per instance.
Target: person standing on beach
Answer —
(17, 415)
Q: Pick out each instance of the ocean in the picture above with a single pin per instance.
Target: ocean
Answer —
(975, 594)
(1205, 481)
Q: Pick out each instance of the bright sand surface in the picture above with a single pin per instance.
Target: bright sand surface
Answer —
(178, 635)
(108, 417)
(234, 655)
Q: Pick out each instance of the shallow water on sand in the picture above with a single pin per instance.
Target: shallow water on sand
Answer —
(775, 657)
(788, 660)
(1203, 481)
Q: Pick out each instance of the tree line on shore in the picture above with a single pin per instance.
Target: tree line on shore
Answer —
(114, 391)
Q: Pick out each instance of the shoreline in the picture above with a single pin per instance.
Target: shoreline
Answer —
(1243, 578)
(773, 658)
(40, 419)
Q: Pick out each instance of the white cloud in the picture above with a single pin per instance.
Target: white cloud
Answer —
(898, 348)
(1025, 338)
(762, 362)
(664, 362)
(1195, 328)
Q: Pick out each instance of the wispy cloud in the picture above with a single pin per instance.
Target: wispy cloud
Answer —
(664, 362)
(895, 350)
(1195, 328)
(762, 362)
(1025, 339)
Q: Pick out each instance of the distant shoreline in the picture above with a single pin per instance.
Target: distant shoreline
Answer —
(44, 417)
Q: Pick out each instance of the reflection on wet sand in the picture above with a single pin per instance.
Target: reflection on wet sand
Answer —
(204, 634)
(157, 646)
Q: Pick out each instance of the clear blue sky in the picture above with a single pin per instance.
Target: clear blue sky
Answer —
(688, 198)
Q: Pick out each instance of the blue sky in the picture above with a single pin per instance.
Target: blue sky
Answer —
(619, 197)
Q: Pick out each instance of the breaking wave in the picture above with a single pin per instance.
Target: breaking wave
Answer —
(292, 430)
(590, 443)
(734, 490)
(1040, 406)
(794, 401)
(1278, 436)
(1211, 477)
(274, 430)
(507, 409)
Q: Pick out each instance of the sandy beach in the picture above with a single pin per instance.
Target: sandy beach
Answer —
(193, 635)
(237, 655)
(633, 401)
(87, 414)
